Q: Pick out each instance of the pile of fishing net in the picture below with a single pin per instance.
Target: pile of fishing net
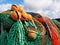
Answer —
(24, 28)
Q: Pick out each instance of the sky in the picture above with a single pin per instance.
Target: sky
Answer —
(11, 1)
(49, 8)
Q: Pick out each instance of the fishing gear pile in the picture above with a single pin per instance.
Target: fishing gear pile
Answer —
(27, 28)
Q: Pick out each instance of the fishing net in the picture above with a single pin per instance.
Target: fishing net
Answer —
(26, 30)
(35, 40)
(56, 23)
(6, 20)
(16, 34)
(3, 38)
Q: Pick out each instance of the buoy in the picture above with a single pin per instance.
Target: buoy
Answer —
(15, 15)
(31, 35)
(14, 7)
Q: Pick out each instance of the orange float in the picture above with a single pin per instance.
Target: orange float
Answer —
(31, 35)
(32, 32)
(20, 9)
(14, 7)
(24, 15)
(29, 17)
(15, 15)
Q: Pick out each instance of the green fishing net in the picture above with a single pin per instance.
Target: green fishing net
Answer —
(16, 34)
(3, 38)
(6, 20)
(32, 41)
(36, 27)
(56, 23)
